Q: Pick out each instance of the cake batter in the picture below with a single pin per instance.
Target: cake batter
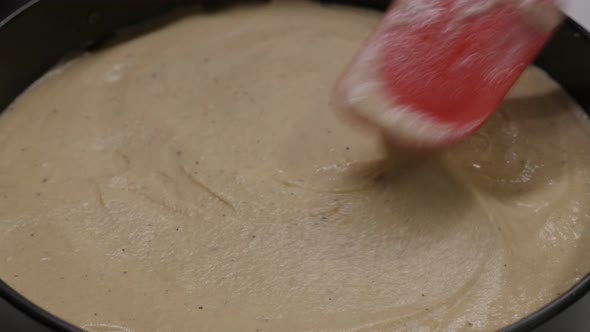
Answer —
(196, 178)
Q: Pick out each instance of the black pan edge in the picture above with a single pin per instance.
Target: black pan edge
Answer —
(565, 58)
(42, 321)
(552, 309)
(40, 33)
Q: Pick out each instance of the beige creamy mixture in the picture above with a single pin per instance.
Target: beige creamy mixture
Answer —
(197, 179)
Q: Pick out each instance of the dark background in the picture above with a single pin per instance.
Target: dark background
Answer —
(8, 6)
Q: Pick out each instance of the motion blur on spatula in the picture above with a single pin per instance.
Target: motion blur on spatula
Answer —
(435, 70)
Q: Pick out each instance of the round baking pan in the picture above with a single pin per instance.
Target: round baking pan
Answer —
(36, 34)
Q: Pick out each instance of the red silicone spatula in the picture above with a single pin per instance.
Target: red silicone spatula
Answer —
(435, 70)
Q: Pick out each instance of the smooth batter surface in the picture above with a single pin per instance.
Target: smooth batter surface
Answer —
(197, 179)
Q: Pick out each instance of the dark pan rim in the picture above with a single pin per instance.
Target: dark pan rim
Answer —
(527, 323)
(17, 12)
